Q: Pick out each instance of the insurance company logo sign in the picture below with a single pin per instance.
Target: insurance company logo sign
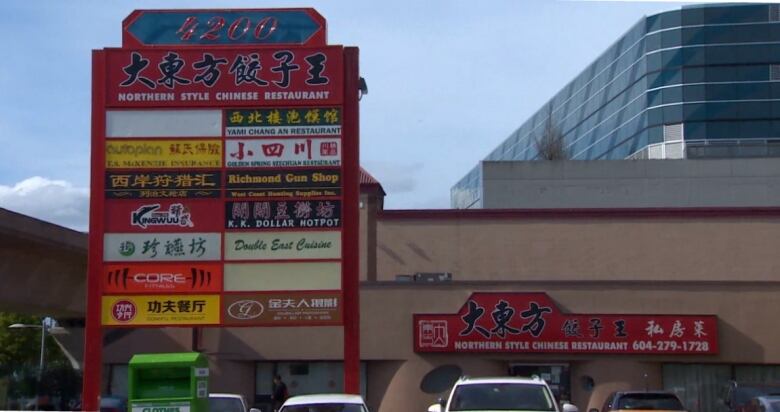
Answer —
(532, 323)
(282, 245)
(281, 122)
(161, 310)
(137, 247)
(300, 213)
(162, 278)
(289, 183)
(154, 185)
(163, 154)
(282, 308)
(257, 76)
(280, 153)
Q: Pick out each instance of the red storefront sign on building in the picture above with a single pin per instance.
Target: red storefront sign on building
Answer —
(532, 323)
(225, 77)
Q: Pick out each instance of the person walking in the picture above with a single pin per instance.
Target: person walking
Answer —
(280, 393)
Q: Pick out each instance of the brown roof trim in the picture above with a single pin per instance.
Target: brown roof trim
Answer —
(26, 227)
(367, 180)
(541, 285)
(634, 213)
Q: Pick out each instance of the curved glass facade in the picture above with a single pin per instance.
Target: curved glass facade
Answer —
(706, 77)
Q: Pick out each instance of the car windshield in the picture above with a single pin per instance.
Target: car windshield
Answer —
(650, 402)
(324, 407)
(773, 406)
(744, 394)
(502, 396)
(226, 405)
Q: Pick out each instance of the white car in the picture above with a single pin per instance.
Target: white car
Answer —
(325, 403)
(500, 394)
(228, 402)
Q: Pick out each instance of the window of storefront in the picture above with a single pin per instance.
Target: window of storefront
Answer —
(117, 379)
(302, 378)
(699, 385)
(556, 375)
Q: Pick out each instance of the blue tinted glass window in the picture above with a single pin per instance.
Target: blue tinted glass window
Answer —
(692, 16)
(693, 74)
(735, 14)
(672, 95)
(721, 73)
(753, 110)
(671, 58)
(672, 77)
(655, 135)
(654, 62)
(670, 38)
(673, 114)
(671, 19)
(721, 91)
(693, 56)
(694, 112)
(719, 54)
(753, 72)
(695, 130)
(653, 42)
(694, 93)
(654, 97)
(653, 23)
(655, 117)
(753, 91)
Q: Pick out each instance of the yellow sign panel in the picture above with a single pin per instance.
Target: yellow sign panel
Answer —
(149, 310)
(163, 154)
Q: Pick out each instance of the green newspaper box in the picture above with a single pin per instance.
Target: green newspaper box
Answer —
(168, 382)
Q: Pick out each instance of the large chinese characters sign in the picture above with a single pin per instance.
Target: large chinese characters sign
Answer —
(224, 176)
(531, 323)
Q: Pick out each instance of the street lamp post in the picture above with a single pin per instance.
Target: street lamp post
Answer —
(47, 325)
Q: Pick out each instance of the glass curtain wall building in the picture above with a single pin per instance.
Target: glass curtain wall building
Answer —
(698, 82)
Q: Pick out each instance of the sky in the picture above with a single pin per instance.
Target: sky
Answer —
(447, 82)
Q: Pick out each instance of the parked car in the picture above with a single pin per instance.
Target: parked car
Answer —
(737, 395)
(228, 402)
(641, 401)
(324, 403)
(503, 393)
(763, 404)
(112, 403)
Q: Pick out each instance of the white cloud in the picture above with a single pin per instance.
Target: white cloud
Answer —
(395, 177)
(55, 201)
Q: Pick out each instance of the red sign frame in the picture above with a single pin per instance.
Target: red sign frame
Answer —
(305, 88)
(506, 322)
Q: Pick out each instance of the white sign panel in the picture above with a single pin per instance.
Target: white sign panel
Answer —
(283, 152)
(158, 247)
(163, 123)
(282, 245)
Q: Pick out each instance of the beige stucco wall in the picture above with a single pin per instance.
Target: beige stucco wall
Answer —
(654, 249)
(719, 266)
(395, 371)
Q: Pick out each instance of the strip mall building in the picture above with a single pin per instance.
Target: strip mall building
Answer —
(695, 288)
